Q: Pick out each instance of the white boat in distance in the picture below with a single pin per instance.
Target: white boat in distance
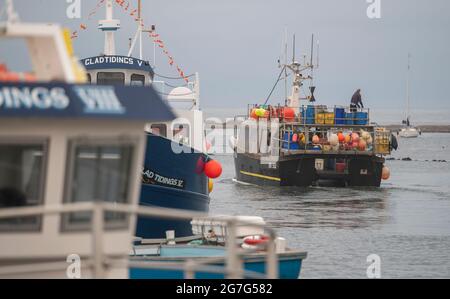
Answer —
(408, 131)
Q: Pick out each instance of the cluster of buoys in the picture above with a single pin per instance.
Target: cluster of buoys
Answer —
(265, 111)
(344, 141)
(354, 140)
(299, 137)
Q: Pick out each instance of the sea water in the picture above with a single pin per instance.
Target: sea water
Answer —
(406, 222)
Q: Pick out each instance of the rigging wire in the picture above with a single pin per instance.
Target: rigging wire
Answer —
(275, 85)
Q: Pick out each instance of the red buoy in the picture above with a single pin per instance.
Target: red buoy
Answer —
(213, 169)
(287, 113)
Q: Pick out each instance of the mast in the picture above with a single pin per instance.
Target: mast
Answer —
(140, 29)
(11, 15)
(138, 35)
(109, 26)
(407, 90)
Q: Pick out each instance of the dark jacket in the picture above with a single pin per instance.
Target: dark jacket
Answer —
(356, 99)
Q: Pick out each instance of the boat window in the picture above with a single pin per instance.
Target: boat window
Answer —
(22, 179)
(89, 79)
(108, 78)
(159, 129)
(137, 80)
(181, 133)
(98, 172)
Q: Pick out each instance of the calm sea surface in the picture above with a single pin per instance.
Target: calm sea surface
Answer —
(406, 221)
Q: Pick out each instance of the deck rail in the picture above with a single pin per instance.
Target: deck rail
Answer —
(99, 262)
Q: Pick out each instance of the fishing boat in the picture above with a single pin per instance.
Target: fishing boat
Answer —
(69, 151)
(70, 155)
(209, 252)
(173, 172)
(408, 131)
(301, 144)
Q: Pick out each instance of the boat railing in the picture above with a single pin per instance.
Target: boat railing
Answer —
(313, 114)
(99, 262)
(297, 137)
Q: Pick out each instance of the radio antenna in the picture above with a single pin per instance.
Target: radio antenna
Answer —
(293, 49)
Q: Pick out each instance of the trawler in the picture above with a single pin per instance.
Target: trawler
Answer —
(302, 144)
(174, 171)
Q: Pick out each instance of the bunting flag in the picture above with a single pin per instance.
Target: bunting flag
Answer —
(90, 15)
(126, 6)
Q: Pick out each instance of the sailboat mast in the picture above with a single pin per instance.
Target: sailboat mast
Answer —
(407, 89)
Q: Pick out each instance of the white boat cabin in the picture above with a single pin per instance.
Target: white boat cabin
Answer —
(187, 128)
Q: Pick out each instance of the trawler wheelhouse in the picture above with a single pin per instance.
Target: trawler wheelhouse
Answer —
(118, 70)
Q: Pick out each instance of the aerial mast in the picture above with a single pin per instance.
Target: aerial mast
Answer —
(109, 26)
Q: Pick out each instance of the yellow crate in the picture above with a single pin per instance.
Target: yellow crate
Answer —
(382, 141)
(320, 118)
(329, 118)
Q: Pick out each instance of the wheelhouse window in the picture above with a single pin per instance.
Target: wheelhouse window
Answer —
(137, 80)
(110, 78)
(159, 129)
(22, 180)
(98, 172)
(88, 78)
(181, 133)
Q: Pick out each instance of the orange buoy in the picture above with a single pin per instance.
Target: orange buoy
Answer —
(210, 185)
(341, 137)
(213, 169)
(253, 113)
(315, 139)
(294, 138)
(347, 138)
(362, 145)
(385, 173)
(287, 113)
(355, 137)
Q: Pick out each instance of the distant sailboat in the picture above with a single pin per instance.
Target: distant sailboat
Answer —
(408, 131)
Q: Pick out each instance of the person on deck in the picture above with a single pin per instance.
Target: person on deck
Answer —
(356, 101)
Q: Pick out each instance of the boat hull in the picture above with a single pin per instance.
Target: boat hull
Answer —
(299, 170)
(409, 133)
(289, 263)
(171, 180)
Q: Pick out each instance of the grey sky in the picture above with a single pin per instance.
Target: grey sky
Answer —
(235, 45)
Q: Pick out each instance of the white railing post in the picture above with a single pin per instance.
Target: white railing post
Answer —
(189, 267)
(272, 259)
(97, 240)
(234, 264)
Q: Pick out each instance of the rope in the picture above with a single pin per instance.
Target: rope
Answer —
(173, 86)
(174, 78)
(178, 95)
